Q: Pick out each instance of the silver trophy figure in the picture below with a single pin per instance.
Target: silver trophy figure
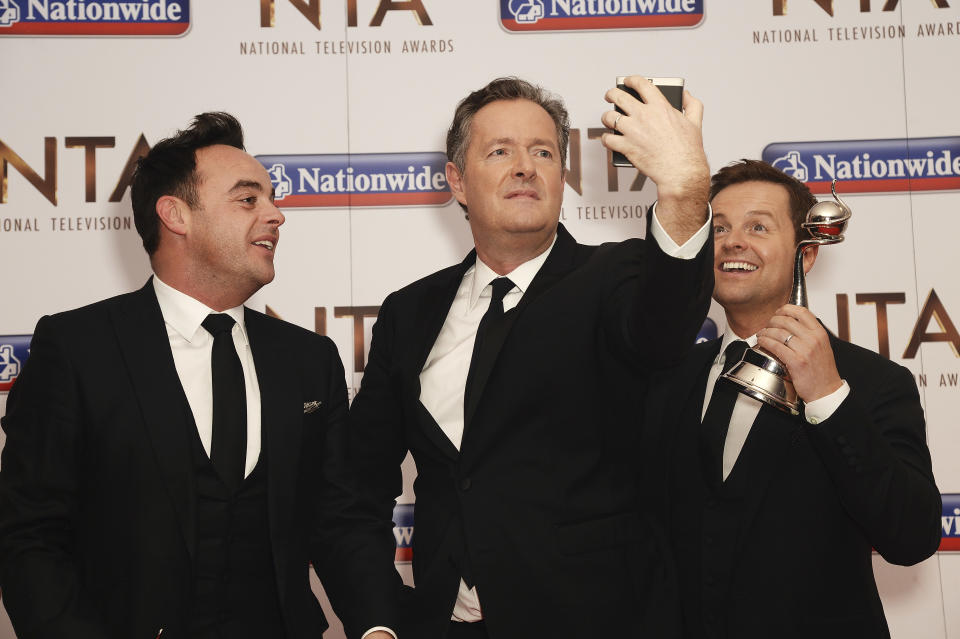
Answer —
(759, 374)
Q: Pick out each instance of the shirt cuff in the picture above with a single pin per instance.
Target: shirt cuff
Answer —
(821, 409)
(376, 628)
(691, 247)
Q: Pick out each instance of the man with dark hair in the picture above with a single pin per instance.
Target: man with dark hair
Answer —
(772, 517)
(174, 461)
(514, 378)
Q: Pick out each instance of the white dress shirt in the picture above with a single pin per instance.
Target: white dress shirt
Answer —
(192, 346)
(746, 408)
(444, 375)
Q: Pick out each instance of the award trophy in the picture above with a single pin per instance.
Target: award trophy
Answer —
(759, 374)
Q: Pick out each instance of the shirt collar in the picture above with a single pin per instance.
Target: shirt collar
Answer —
(728, 337)
(185, 314)
(521, 276)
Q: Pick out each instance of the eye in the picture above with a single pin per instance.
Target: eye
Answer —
(543, 153)
(717, 229)
(758, 227)
(252, 199)
(498, 152)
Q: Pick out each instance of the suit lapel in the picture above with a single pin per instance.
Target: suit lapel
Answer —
(143, 340)
(281, 426)
(558, 263)
(431, 313)
(433, 309)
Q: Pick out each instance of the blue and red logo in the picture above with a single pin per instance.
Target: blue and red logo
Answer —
(94, 17)
(566, 15)
(403, 532)
(14, 350)
(950, 523)
(871, 166)
(364, 179)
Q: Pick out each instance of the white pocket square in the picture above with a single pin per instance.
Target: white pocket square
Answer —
(310, 407)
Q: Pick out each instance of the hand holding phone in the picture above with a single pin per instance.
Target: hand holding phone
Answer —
(672, 90)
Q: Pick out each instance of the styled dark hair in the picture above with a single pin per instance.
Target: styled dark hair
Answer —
(801, 199)
(170, 168)
(458, 137)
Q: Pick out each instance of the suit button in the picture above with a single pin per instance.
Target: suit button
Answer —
(841, 440)
(710, 580)
(711, 503)
(708, 540)
(465, 484)
(852, 461)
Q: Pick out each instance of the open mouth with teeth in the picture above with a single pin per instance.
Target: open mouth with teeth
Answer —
(737, 267)
(267, 244)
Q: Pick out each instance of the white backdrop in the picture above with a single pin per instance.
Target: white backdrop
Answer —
(815, 72)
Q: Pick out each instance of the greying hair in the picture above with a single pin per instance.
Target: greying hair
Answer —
(511, 88)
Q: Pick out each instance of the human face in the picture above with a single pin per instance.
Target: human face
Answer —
(754, 247)
(512, 182)
(233, 234)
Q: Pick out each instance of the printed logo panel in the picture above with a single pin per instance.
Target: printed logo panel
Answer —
(403, 532)
(950, 522)
(871, 166)
(567, 15)
(364, 179)
(94, 17)
(14, 350)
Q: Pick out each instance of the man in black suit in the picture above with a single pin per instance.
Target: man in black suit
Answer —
(174, 461)
(773, 516)
(514, 378)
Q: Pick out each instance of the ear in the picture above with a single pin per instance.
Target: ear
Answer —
(173, 213)
(455, 180)
(809, 257)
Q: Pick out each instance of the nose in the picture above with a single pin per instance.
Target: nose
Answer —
(524, 166)
(732, 240)
(275, 215)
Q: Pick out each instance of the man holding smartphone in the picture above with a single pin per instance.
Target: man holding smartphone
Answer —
(515, 377)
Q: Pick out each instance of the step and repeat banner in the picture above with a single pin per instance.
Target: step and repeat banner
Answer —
(346, 103)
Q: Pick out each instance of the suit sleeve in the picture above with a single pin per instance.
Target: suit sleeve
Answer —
(353, 550)
(378, 442)
(874, 448)
(39, 484)
(657, 303)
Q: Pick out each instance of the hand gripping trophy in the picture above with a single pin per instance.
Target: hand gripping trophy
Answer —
(759, 374)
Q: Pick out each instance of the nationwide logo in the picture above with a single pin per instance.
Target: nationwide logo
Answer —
(950, 521)
(403, 532)
(94, 17)
(14, 350)
(871, 166)
(565, 15)
(364, 179)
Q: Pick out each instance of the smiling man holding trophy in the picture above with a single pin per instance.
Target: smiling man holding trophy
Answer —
(775, 495)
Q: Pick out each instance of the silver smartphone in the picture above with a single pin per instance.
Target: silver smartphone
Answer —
(672, 90)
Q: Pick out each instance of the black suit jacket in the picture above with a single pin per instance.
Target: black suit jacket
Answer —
(97, 492)
(782, 548)
(542, 493)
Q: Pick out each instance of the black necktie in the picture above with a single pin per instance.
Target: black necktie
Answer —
(228, 449)
(501, 286)
(716, 421)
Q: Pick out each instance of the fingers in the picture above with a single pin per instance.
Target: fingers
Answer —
(693, 108)
(800, 314)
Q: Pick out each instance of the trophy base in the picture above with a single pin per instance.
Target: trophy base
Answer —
(764, 378)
